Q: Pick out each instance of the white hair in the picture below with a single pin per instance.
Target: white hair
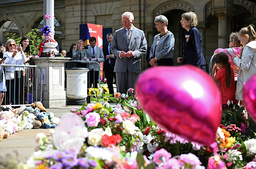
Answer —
(129, 14)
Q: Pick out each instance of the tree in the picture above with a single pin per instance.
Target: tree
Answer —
(34, 40)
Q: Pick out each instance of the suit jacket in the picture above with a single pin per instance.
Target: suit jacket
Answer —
(98, 53)
(138, 44)
(106, 65)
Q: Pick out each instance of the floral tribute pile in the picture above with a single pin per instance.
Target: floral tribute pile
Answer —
(115, 132)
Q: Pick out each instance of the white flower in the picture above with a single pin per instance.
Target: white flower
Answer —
(147, 139)
(129, 127)
(220, 134)
(234, 155)
(107, 132)
(250, 146)
(39, 138)
(99, 153)
(94, 139)
(152, 147)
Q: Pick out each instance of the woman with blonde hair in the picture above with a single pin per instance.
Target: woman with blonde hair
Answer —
(192, 42)
(247, 61)
(79, 53)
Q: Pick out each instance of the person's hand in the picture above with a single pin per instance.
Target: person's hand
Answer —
(180, 59)
(2, 49)
(130, 54)
(18, 47)
(153, 62)
(123, 54)
(112, 56)
(14, 53)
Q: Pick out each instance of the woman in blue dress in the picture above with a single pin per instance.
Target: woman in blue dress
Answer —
(192, 42)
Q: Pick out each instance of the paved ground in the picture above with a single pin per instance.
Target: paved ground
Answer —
(24, 141)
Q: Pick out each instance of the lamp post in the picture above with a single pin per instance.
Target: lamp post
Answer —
(49, 15)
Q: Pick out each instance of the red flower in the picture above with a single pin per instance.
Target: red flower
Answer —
(117, 95)
(110, 140)
(161, 131)
(146, 131)
(103, 121)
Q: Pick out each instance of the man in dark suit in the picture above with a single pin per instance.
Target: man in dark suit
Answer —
(128, 45)
(109, 63)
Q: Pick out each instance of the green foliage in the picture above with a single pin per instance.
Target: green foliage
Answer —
(14, 36)
(34, 40)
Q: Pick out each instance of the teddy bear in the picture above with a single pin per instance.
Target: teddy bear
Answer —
(43, 117)
(53, 119)
(23, 123)
(32, 122)
(38, 105)
(3, 134)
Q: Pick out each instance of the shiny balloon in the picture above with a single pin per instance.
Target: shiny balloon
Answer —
(183, 100)
(249, 96)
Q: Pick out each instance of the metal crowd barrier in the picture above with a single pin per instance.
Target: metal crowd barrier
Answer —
(22, 87)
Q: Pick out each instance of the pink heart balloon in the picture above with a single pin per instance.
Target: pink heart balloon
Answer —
(249, 96)
(183, 100)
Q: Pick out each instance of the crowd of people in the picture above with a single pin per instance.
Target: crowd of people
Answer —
(122, 54)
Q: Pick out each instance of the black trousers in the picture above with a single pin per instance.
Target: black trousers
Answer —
(165, 62)
(110, 75)
(93, 78)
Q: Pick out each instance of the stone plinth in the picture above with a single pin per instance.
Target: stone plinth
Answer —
(53, 72)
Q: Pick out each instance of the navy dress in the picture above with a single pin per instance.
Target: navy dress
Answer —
(192, 48)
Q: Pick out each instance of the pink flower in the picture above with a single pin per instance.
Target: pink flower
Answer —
(47, 16)
(92, 119)
(189, 159)
(161, 156)
(134, 118)
(73, 109)
(172, 163)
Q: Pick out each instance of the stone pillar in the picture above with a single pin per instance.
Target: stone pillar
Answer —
(53, 73)
(222, 31)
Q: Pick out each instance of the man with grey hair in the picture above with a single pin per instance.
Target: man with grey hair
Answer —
(128, 45)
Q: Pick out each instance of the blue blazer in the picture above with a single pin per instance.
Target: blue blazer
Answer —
(192, 48)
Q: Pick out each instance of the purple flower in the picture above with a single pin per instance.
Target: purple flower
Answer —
(46, 30)
(73, 109)
(56, 166)
(119, 119)
(58, 156)
(161, 156)
(70, 160)
(92, 119)
(93, 163)
(84, 112)
(82, 162)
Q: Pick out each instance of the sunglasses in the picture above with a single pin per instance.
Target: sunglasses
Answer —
(12, 45)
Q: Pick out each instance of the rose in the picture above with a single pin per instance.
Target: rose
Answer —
(129, 127)
(92, 119)
(94, 139)
(117, 95)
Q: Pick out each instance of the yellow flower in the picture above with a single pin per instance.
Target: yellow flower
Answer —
(230, 141)
(97, 106)
(106, 91)
(93, 91)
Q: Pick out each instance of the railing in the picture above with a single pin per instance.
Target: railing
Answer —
(22, 87)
